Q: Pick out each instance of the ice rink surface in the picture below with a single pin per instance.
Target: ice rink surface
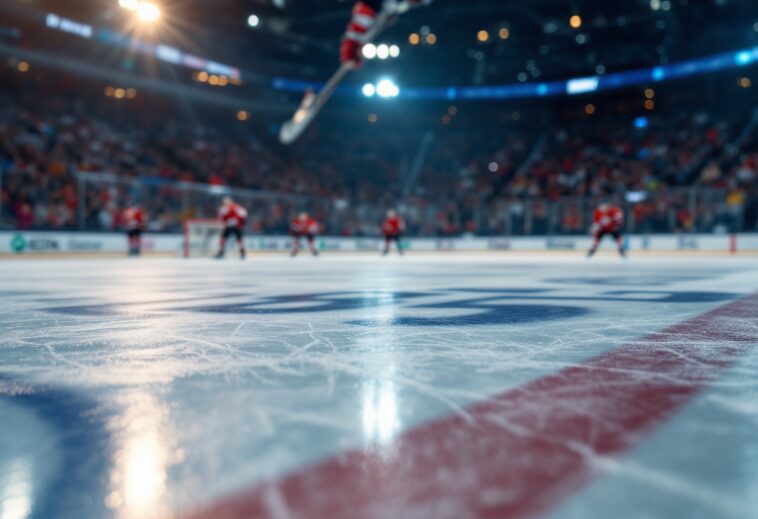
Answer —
(456, 386)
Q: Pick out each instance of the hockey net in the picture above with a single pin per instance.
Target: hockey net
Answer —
(201, 237)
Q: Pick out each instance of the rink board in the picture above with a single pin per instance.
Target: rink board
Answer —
(38, 242)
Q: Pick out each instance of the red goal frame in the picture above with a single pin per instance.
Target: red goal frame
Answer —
(186, 229)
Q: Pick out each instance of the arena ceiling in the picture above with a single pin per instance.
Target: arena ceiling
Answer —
(528, 40)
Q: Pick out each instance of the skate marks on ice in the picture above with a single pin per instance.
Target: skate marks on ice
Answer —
(520, 453)
(297, 372)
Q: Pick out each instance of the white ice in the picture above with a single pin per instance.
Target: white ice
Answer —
(186, 380)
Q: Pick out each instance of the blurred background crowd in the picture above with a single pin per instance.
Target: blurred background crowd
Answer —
(73, 155)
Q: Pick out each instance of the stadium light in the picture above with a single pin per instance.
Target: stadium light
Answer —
(369, 51)
(148, 12)
(131, 5)
(383, 51)
(386, 88)
(743, 58)
(582, 85)
(253, 21)
(369, 90)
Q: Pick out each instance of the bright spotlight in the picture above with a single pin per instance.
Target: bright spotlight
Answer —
(253, 20)
(369, 51)
(743, 58)
(131, 5)
(641, 123)
(386, 88)
(394, 51)
(382, 51)
(369, 90)
(148, 12)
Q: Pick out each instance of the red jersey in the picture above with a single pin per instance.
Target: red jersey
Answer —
(609, 220)
(233, 215)
(304, 226)
(134, 218)
(393, 226)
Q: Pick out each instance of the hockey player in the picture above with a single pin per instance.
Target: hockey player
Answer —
(304, 227)
(134, 222)
(393, 229)
(233, 216)
(364, 18)
(608, 219)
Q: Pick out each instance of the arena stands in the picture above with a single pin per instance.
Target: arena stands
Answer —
(690, 171)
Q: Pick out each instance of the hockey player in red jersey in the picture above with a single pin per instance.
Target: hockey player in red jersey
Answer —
(608, 220)
(393, 229)
(233, 217)
(134, 222)
(363, 19)
(304, 227)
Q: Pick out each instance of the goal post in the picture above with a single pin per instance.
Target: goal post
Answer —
(201, 237)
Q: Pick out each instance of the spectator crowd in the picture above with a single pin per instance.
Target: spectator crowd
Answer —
(694, 171)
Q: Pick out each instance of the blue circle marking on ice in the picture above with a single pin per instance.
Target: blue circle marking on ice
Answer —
(512, 314)
(78, 487)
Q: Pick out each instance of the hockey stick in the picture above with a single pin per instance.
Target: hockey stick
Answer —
(313, 103)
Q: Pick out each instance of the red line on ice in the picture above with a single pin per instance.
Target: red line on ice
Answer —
(524, 450)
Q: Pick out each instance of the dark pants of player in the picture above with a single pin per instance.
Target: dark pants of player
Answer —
(229, 232)
(134, 237)
(310, 238)
(602, 234)
(389, 238)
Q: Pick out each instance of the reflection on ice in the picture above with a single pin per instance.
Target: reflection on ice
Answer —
(15, 489)
(141, 460)
(297, 385)
(381, 419)
(381, 422)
